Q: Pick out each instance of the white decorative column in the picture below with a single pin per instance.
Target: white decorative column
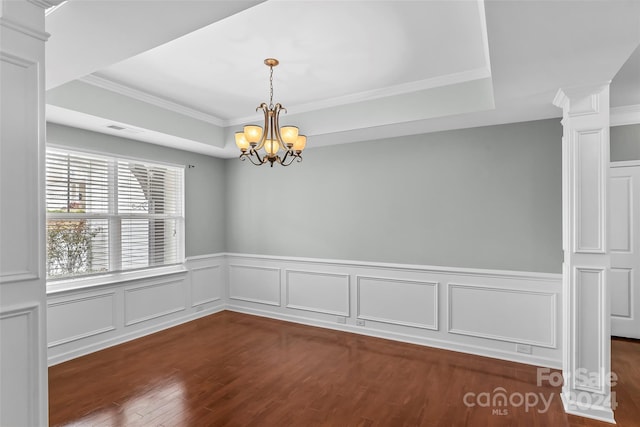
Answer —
(23, 330)
(585, 168)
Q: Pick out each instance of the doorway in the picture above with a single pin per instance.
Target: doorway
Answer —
(624, 240)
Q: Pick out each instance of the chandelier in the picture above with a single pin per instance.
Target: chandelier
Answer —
(272, 137)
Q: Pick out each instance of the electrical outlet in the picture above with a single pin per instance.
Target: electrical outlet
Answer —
(360, 322)
(342, 319)
(523, 348)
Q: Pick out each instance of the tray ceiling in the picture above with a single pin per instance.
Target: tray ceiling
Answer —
(349, 70)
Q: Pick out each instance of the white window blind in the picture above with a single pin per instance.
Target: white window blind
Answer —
(107, 214)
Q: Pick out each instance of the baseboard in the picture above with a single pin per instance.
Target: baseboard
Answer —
(596, 413)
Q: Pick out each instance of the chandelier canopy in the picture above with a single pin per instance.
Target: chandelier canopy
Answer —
(271, 137)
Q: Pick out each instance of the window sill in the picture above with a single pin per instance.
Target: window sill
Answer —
(64, 285)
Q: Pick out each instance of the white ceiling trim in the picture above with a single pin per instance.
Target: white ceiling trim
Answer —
(485, 36)
(45, 4)
(401, 89)
(121, 89)
(52, 6)
(75, 119)
(23, 29)
(405, 88)
(627, 115)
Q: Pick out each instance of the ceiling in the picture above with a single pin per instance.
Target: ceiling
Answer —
(349, 70)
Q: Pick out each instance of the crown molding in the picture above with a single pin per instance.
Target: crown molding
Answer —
(626, 115)
(54, 5)
(121, 89)
(401, 89)
(485, 36)
(23, 29)
(560, 99)
(45, 4)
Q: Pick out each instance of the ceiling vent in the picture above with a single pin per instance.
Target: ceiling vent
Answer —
(124, 129)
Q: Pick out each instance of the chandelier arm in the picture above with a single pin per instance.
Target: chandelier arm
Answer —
(291, 159)
(273, 120)
(276, 126)
(251, 158)
(286, 154)
(257, 154)
(265, 110)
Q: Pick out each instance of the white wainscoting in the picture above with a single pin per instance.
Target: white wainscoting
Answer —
(254, 284)
(317, 291)
(81, 321)
(484, 312)
(63, 316)
(168, 296)
(207, 284)
(511, 315)
(400, 302)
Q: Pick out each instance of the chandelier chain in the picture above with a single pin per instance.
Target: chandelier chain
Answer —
(271, 88)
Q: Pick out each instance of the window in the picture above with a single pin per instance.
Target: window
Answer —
(107, 214)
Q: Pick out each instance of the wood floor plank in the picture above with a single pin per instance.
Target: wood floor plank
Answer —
(231, 369)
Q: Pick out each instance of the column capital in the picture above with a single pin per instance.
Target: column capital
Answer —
(581, 100)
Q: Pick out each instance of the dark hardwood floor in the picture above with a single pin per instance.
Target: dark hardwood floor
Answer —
(231, 369)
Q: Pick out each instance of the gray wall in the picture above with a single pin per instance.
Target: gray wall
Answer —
(204, 184)
(485, 197)
(625, 142)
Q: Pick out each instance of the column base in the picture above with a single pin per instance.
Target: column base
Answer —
(588, 410)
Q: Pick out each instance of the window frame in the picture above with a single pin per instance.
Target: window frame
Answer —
(114, 220)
